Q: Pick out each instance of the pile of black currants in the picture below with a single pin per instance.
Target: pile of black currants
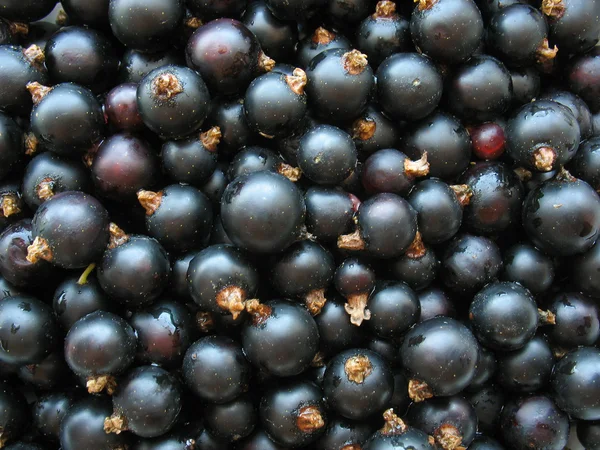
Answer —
(299, 224)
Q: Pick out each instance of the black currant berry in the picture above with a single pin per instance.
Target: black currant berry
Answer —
(355, 280)
(66, 118)
(582, 75)
(441, 356)
(230, 422)
(173, 101)
(434, 302)
(135, 65)
(583, 272)
(221, 278)
(389, 170)
(329, 212)
(28, 330)
(526, 85)
(270, 338)
(394, 309)
(121, 109)
(374, 131)
(578, 107)
(99, 346)
(317, 42)
(49, 411)
(215, 369)
(396, 435)
(229, 117)
(574, 24)
(262, 212)
(418, 267)
(409, 86)
(216, 8)
(447, 30)
(358, 383)
(339, 84)
(342, 433)
(588, 433)
(577, 320)
(528, 266)
(28, 10)
(134, 270)
(50, 373)
(586, 163)
(335, 330)
(562, 216)
(70, 230)
(534, 422)
(146, 402)
(293, 413)
(11, 145)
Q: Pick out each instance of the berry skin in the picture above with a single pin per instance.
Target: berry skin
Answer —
(146, 27)
(574, 24)
(317, 42)
(394, 309)
(358, 383)
(262, 212)
(396, 435)
(586, 163)
(215, 369)
(121, 109)
(583, 272)
(229, 422)
(389, 170)
(577, 320)
(49, 411)
(329, 212)
(173, 101)
(441, 356)
(528, 266)
(11, 145)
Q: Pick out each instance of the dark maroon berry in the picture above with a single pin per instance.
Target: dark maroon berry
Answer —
(542, 135)
(215, 369)
(147, 27)
(582, 77)
(389, 170)
(173, 101)
(577, 320)
(293, 413)
(67, 118)
(529, 267)
(262, 212)
(469, 263)
(146, 402)
(134, 270)
(317, 42)
(562, 216)
(394, 309)
(227, 55)
(178, 216)
(574, 24)
(221, 278)
(124, 164)
(70, 230)
(446, 142)
(11, 145)
(18, 67)
(339, 84)
(534, 422)
(121, 109)
(449, 31)
(387, 226)
(488, 140)
(452, 421)
(518, 35)
(269, 338)
(383, 33)
(28, 330)
(440, 355)
(278, 38)
(409, 86)
(48, 174)
(83, 56)
(99, 346)
(83, 426)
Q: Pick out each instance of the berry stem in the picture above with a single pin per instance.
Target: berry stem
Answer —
(394, 425)
(117, 236)
(19, 28)
(354, 62)
(363, 129)
(565, 175)
(356, 307)
(463, 193)
(358, 368)
(40, 249)
(83, 279)
(260, 313)
(352, 241)
(418, 168)
(297, 81)
(96, 385)
(211, 138)
(150, 200)
(546, 55)
(322, 36)
(166, 86)
(232, 299)
(417, 249)
(290, 172)
(45, 189)
(523, 174)
(419, 391)
(309, 419)
(193, 23)
(315, 300)
(37, 91)
(318, 360)
(10, 205)
(544, 158)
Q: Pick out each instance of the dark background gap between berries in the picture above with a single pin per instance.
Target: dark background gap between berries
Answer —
(323, 224)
